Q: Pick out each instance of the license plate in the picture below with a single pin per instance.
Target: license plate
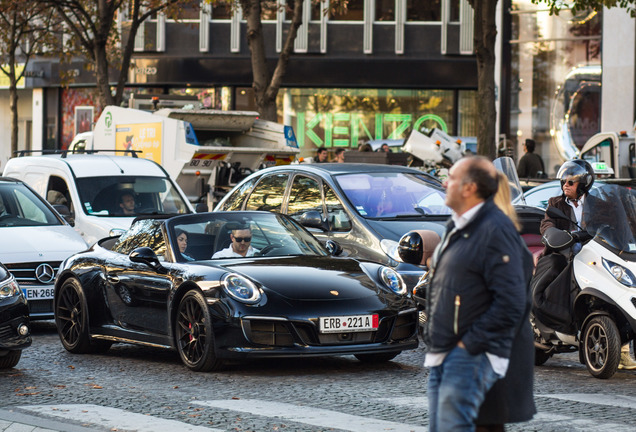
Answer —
(348, 324)
(38, 293)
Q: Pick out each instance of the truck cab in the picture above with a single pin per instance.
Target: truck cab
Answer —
(615, 150)
(87, 189)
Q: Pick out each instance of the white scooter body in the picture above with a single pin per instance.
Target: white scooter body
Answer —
(593, 278)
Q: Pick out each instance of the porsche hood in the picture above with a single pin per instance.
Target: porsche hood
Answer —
(310, 278)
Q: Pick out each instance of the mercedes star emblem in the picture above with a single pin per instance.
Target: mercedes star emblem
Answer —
(44, 273)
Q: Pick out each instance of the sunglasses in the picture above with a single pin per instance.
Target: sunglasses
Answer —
(568, 182)
(243, 239)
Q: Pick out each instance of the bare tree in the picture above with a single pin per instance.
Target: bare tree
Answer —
(266, 83)
(24, 30)
(93, 26)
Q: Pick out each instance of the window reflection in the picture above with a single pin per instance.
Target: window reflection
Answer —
(268, 194)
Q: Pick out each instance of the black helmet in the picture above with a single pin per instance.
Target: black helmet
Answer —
(415, 247)
(577, 170)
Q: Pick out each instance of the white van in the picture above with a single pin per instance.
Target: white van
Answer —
(87, 189)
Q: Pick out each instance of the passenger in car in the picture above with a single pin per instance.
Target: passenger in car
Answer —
(182, 243)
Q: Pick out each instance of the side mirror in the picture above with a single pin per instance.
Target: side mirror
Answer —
(416, 247)
(145, 255)
(333, 248)
(312, 219)
(201, 207)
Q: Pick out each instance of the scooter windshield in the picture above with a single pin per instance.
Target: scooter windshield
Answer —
(609, 212)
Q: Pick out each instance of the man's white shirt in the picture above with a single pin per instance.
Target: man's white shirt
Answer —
(228, 252)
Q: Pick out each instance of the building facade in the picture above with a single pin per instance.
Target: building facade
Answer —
(377, 71)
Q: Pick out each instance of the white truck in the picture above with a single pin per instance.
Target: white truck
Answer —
(206, 151)
(615, 150)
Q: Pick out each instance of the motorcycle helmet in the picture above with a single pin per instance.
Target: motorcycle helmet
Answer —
(577, 170)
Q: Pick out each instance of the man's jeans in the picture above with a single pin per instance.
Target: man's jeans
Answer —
(456, 390)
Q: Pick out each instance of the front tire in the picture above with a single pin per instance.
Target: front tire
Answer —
(71, 320)
(10, 359)
(602, 347)
(194, 333)
(377, 358)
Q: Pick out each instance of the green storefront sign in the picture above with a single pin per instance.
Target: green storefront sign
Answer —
(346, 129)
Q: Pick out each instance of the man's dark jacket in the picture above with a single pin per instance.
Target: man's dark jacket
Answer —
(478, 292)
(529, 165)
(562, 224)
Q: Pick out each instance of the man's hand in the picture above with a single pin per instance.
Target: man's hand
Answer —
(461, 345)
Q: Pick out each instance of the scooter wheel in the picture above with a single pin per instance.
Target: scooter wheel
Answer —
(602, 347)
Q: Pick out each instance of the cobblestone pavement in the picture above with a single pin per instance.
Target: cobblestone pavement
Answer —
(313, 394)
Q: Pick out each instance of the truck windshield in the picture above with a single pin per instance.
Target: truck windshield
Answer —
(129, 196)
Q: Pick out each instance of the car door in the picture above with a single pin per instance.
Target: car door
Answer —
(307, 193)
(138, 294)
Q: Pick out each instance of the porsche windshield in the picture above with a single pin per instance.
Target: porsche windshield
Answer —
(393, 194)
(129, 196)
(609, 211)
(215, 235)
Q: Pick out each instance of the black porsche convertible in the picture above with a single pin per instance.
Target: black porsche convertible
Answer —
(288, 296)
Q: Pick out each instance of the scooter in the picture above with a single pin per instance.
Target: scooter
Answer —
(590, 306)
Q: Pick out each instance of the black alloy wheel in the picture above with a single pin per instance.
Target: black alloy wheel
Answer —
(602, 347)
(71, 320)
(195, 337)
(377, 358)
(10, 359)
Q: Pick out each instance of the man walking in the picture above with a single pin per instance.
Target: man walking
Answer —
(476, 300)
(531, 164)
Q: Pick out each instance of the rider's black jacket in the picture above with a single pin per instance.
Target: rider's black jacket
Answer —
(478, 291)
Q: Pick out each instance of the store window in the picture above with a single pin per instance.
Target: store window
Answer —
(221, 11)
(349, 117)
(354, 11)
(418, 10)
(385, 10)
(555, 79)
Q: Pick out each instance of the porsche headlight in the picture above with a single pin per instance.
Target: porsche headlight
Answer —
(392, 280)
(9, 288)
(241, 288)
(620, 273)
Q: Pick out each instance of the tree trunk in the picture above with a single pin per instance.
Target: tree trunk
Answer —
(13, 105)
(266, 85)
(485, 34)
(104, 95)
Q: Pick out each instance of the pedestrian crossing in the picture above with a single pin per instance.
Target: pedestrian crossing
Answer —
(314, 418)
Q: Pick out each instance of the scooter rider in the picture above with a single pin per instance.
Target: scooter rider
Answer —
(577, 178)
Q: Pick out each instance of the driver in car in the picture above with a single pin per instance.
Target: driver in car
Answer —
(240, 246)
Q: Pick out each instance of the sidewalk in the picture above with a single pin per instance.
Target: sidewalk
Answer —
(17, 421)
